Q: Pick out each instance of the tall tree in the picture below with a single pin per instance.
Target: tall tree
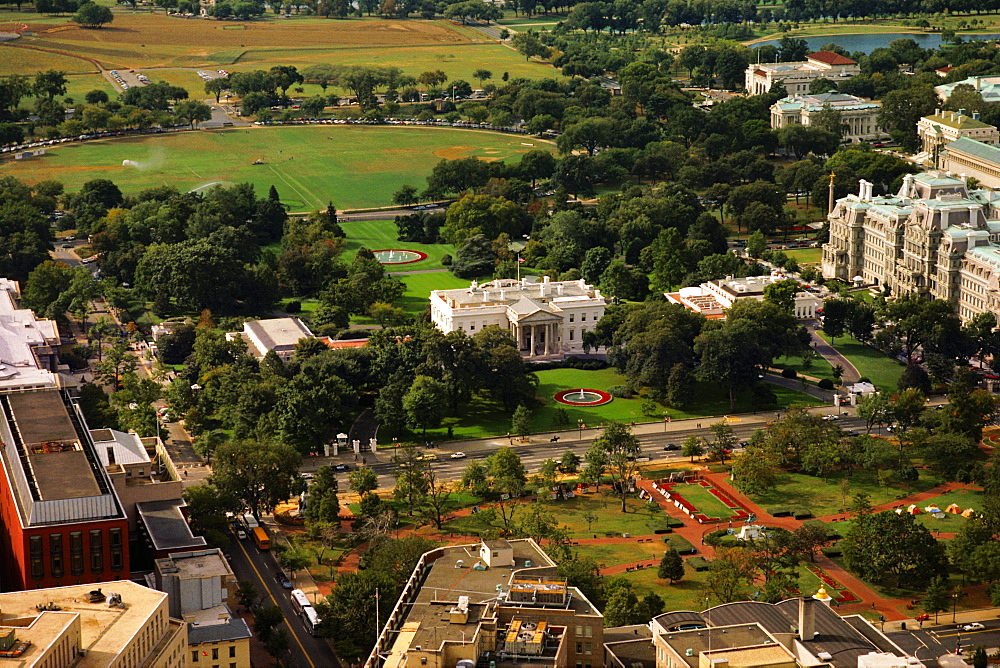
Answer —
(622, 448)
(260, 474)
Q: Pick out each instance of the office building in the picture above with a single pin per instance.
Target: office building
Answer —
(934, 237)
(546, 318)
(797, 76)
(121, 626)
(276, 334)
(200, 585)
(945, 127)
(713, 298)
(987, 86)
(974, 159)
(858, 116)
(498, 601)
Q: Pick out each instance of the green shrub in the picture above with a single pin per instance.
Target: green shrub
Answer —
(294, 306)
(620, 391)
(788, 373)
(825, 384)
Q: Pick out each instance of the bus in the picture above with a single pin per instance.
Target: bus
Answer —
(260, 539)
(249, 522)
(310, 619)
(303, 608)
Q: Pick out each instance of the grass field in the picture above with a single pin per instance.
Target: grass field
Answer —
(703, 500)
(964, 498)
(824, 497)
(482, 419)
(380, 234)
(805, 255)
(354, 166)
(820, 368)
(870, 363)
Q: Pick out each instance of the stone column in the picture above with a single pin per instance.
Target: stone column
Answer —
(548, 337)
(531, 334)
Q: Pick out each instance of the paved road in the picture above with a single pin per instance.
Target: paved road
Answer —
(933, 643)
(541, 448)
(249, 563)
(385, 214)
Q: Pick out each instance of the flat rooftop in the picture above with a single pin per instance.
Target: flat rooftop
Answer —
(104, 630)
(167, 527)
(703, 640)
(278, 332)
(199, 564)
(63, 475)
(41, 417)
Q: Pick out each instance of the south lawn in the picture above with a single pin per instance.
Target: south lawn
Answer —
(311, 166)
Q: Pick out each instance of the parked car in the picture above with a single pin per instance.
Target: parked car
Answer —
(282, 580)
(241, 534)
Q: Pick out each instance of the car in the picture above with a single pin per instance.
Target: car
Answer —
(241, 534)
(831, 417)
(283, 580)
(669, 447)
(342, 467)
(457, 455)
(850, 432)
(307, 476)
(427, 458)
(974, 626)
(66, 246)
(923, 617)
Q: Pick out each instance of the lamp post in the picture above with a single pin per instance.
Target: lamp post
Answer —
(954, 608)
(579, 423)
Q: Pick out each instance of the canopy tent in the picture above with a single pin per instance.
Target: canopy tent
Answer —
(913, 510)
(954, 509)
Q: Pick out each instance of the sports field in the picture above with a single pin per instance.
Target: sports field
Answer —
(352, 166)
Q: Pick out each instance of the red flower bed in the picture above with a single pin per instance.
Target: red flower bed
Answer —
(847, 597)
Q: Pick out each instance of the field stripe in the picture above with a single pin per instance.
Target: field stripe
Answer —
(292, 186)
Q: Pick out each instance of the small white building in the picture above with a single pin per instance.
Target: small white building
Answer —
(796, 77)
(277, 334)
(713, 298)
(858, 116)
(546, 318)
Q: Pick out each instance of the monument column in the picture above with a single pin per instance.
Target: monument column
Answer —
(531, 334)
(548, 337)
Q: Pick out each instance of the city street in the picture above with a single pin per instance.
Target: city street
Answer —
(249, 563)
(931, 642)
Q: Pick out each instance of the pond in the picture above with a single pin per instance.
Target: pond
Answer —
(868, 42)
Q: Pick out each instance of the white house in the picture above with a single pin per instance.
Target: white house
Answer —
(546, 318)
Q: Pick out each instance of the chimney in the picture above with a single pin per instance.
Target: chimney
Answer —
(961, 112)
(807, 618)
(975, 115)
(111, 455)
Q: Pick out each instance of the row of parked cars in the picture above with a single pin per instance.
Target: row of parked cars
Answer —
(395, 121)
(16, 148)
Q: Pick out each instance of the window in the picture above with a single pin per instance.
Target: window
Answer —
(232, 651)
(588, 648)
(96, 551)
(56, 554)
(35, 551)
(588, 631)
(194, 656)
(583, 317)
(579, 630)
(215, 654)
(579, 648)
(76, 553)
(115, 539)
(571, 316)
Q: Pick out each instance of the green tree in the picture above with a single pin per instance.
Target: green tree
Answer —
(362, 480)
(520, 423)
(782, 293)
(623, 608)
(193, 111)
(756, 244)
(936, 597)
(425, 403)
(754, 471)
(260, 474)
(92, 15)
(692, 448)
(411, 481)
(622, 448)
(671, 566)
(207, 508)
(570, 461)
(596, 463)
(680, 386)
(893, 549)
(294, 559)
(508, 479)
(729, 574)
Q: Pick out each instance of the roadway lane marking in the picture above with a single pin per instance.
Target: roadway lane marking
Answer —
(274, 600)
(962, 633)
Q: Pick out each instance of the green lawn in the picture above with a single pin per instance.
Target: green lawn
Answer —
(951, 523)
(704, 501)
(823, 497)
(819, 368)
(419, 286)
(481, 418)
(686, 594)
(352, 166)
(872, 364)
(805, 255)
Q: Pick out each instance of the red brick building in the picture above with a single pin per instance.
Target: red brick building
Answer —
(62, 521)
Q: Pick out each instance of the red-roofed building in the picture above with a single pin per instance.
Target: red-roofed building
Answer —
(344, 343)
(796, 77)
(830, 58)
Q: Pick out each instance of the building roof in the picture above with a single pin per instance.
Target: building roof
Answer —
(195, 564)
(104, 630)
(54, 474)
(504, 292)
(232, 629)
(831, 58)
(166, 525)
(988, 87)
(20, 332)
(836, 101)
(277, 332)
(127, 448)
(340, 344)
(976, 149)
(958, 121)
(633, 653)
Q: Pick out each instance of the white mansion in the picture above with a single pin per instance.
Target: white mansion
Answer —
(858, 116)
(934, 237)
(796, 77)
(546, 318)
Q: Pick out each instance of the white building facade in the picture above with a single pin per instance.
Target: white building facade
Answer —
(796, 77)
(944, 127)
(858, 116)
(546, 318)
(934, 237)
